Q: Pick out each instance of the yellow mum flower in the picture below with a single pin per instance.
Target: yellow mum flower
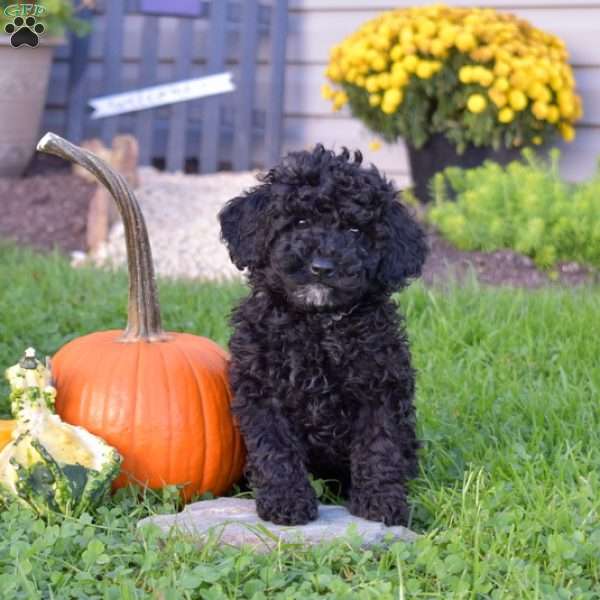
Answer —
(498, 98)
(566, 103)
(334, 53)
(385, 31)
(410, 63)
(371, 54)
(398, 68)
(501, 84)
(327, 92)
(538, 91)
(483, 76)
(553, 114)
(423, 44)
(396, 53)
(541, 74)
(426, 28)
(447, 34)
(513, 65)
(379, 63)
(399, 77)
(556, 83)
(476, 103)
(537, 140)
(569, 79)
(406, 35)
(339, 100)
(506, 115)
(578, 112)
(424, 70)
(482, 54)
(539, 110)
(501, 69)
(383, 80)
(465, 41)
(392, 96)
(517, 100)
(566, 108)
(465, 74)
(545, 95)
(381, 43)
(519, 80)
(438, 48)
(372, 84)
(567, 131)
(334, 72)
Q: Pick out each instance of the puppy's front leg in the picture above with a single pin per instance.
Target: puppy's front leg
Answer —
(383, 459)
(276, 465)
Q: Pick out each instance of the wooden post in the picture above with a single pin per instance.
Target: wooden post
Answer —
(176, 143)
(102, 213)
(245, 94)
(274, 124)
(144, 126)
(209, 152)
(113, 49)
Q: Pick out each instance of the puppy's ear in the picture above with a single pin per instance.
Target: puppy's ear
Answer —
(240, 219)
(406, 248)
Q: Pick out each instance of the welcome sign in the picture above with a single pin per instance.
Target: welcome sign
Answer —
(159, 95)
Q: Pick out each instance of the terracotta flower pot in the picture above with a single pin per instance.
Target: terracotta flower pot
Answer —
(23, 84)
(438, 153)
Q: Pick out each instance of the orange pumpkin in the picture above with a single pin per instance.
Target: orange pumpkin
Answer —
(162, 399)
(6, 429)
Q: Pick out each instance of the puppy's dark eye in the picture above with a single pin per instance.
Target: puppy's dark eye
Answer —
(354, 230)
(301, 223)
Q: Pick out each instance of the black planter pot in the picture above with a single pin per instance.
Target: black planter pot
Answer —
(438, 153)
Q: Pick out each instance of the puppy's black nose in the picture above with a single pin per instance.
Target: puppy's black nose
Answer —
(322, 267)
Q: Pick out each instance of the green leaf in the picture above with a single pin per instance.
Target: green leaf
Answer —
(93, 552)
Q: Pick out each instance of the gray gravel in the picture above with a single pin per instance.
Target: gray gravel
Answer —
(181, 216)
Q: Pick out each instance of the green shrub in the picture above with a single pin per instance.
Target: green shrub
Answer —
(524, 206)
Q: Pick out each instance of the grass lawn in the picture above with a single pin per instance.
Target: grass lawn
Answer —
(508, 500)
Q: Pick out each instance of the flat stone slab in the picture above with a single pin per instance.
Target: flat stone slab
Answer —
(234, 521)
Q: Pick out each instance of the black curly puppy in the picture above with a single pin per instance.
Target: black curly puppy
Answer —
(320, 367)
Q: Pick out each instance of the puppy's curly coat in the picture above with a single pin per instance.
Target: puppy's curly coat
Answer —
(320, 366)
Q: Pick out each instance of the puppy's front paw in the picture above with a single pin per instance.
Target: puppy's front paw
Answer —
(291, 505)
(388, 506)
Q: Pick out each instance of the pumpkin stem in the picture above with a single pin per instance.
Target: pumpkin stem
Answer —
(143, 317)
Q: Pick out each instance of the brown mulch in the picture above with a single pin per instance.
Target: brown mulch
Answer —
(502, 267)
(48, 209)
